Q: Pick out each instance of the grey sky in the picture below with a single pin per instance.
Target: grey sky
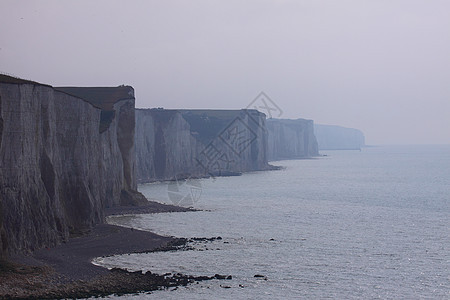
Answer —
(382, 66)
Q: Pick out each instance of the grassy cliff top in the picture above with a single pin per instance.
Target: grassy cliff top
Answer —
(16, 80)
(288, 121)
(103, 97)
(225, 114)
(205, 124)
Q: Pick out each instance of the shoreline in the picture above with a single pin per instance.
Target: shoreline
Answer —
(67, 271)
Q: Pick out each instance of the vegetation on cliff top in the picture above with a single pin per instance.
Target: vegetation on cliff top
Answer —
(102, 97)
(16, 80)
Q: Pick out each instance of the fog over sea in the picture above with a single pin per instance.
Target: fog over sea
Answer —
(349, 225)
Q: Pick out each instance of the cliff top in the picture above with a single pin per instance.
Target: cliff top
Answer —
(216, 113)
(103, 97)
(335, 127)
(289, 121)
(206, 124)
(16, 80)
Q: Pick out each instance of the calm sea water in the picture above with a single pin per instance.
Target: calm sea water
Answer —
(351, 225)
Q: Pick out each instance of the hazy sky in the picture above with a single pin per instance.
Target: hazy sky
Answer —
(382, 66)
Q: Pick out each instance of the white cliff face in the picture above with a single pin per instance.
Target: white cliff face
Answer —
(289, 139)
(117, 131)
(165, 147)
(58, 172)
(332, 137)
(197, 143)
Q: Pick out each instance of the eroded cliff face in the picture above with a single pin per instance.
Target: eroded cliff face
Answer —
(290, 139)
(117, 133)
(59, 169)
(178, 144)
(332, 137)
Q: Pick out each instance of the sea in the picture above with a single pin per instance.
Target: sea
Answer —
(369, 224)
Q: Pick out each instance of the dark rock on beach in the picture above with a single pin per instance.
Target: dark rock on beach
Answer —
(66, 271)
(116, 281)
(204, 239)
(149, 208)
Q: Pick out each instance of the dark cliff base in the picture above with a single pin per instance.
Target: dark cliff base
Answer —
(150, 208)
(223, 173)
(295, 158)
(66, 270)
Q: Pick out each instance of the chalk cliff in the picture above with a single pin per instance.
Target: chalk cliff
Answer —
(197, 143)
(332, 137)
(290, 139)
(117, 133)
(62, 160)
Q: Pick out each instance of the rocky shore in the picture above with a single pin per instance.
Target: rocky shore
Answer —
(66, 271)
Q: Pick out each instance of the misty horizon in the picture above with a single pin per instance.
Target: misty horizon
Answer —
(380, 67)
